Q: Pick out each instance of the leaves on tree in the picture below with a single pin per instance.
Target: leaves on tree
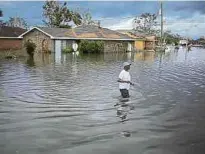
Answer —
(58, 14)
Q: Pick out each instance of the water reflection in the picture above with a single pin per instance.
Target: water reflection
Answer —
(145, 56)
(30, 61)
(42, 59)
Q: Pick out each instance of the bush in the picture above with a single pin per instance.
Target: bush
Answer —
(68, 50)
(30, 47)
(86, 46)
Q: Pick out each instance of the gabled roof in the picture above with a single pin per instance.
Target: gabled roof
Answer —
(11, 32)
(82, 32)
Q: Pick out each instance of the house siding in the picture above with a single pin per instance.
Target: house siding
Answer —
(10, 44)
(39, 37)
(139, 45)
(109, 46)
(116, 46)
(42, 41)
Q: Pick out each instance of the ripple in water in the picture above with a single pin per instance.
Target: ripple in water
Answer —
(75, 106)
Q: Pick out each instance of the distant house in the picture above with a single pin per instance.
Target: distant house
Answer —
(9, 38)
(150, 42)
(142, 41)
(183, 42)
(139, 43)
(56, 39)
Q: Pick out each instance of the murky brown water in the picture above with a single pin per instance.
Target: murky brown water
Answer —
(67, 105)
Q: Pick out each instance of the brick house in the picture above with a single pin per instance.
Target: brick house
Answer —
(56, 39)
(9, 39)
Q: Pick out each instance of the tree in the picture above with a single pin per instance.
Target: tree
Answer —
(30, 48)
(86, 17)
(171, 38)
(17, 22)
(58, 15)
(1, 21)
(145, 23)
(1, 13)
(86, 46)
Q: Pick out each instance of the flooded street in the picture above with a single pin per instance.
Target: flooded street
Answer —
(68, 105)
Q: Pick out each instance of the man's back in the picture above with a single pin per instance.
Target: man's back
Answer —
(124, 76)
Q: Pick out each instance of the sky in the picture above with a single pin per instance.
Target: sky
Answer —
(186, 18)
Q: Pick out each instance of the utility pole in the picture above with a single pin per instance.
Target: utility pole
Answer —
(161, 8)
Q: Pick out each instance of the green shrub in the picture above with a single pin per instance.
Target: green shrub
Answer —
(86, 46)
(68, 50)
(30, 47)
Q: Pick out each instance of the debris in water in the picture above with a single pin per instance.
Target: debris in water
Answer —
(126, 133)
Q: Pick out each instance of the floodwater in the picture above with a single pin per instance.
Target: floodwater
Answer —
(71, 104)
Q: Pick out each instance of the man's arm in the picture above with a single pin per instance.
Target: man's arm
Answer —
(122, 81)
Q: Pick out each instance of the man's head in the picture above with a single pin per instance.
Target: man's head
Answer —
(126, 66)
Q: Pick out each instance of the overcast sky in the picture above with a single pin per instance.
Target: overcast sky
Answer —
(185, 18)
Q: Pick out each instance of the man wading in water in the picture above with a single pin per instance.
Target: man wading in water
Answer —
(125, 80)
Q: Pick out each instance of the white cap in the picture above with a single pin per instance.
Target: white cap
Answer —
(126, 64)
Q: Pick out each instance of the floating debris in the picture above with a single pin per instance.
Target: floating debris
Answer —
(126, 133)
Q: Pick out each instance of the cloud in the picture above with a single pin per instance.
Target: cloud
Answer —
(194, 6)
(180, 15)
(190, 27)
(118, 23)
(5, 4)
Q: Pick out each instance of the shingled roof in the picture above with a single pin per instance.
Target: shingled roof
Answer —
(84, 32)
(6, 31)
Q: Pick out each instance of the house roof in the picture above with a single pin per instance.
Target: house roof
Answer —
(54, 32)
(133, 36)
(11, 32)
(134, 33)
(138, 35)
(83, 32)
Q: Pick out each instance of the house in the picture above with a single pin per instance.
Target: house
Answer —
(142, 41)
(9, 39)
(183, 42)
(56, 39)
(139, 43)
(150, 42)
